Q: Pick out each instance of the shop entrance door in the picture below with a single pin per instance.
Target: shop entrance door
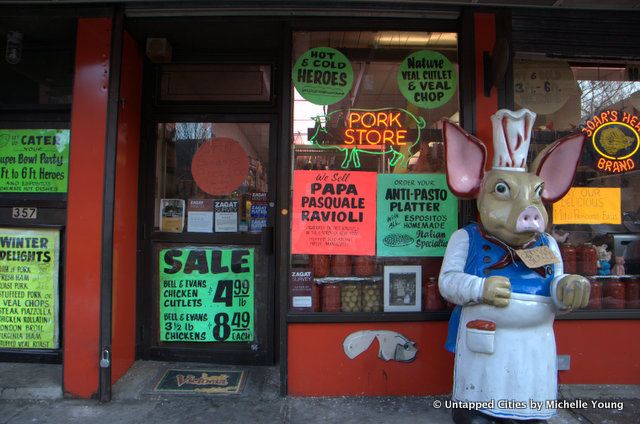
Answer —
(207, 278)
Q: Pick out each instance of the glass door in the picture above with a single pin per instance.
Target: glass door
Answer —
(208, 276)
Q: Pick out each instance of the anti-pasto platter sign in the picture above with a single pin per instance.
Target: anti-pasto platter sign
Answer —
(29, 288)
(416, 214)
(206, 294)
(34, 161)
(333, 213)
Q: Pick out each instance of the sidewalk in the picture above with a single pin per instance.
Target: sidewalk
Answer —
(31, 394)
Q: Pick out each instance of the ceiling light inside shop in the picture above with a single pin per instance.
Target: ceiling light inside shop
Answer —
(416, 39)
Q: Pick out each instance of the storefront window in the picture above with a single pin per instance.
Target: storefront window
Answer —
(212, 177)
(371, 211)
(598, 223)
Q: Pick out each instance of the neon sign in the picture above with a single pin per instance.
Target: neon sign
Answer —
(375, 128)
(614, 140)
(389, 131)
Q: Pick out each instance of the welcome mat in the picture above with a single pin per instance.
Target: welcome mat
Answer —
(201, 382)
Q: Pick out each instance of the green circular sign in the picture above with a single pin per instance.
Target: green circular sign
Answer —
(427, 79)
(323, 75)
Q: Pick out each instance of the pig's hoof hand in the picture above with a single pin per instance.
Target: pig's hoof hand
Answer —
(573, 291)
(496, 291)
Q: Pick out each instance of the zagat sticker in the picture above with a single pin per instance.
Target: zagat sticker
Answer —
(537, 257)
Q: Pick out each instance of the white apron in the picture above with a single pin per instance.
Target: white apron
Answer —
(514, 368)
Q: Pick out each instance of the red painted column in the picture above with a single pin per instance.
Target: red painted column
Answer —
(484, 39)
(85, 204)
(125, 223)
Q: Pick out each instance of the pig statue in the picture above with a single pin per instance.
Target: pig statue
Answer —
(505, 273)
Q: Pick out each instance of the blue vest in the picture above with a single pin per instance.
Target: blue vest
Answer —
(482, 255)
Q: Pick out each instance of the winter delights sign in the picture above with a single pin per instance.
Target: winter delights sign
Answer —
(614, 141)
(334, 213)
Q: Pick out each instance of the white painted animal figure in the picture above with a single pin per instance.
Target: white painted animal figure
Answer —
(391, 345)
(505, 273)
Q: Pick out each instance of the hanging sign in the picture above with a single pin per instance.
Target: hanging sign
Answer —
(427, 79)
(613, 141)
(29, 288)
(416, 214)
(34, 161)
(206, 295)
(333, 213)
(542, 86)
(323, 75)
(589, 205)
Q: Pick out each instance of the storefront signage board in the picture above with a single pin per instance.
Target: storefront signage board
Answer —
(34, 161)
(427, 79)
(334, 213)
(323, 75)
(416, 214)
(613, 141)
(589, 205)
(29, 261)
(206, 294)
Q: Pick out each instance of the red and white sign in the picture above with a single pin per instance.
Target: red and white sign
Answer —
(334, 213)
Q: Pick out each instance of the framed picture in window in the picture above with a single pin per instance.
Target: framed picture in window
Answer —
(402, 288)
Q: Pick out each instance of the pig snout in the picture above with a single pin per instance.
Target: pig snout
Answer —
(530, 219)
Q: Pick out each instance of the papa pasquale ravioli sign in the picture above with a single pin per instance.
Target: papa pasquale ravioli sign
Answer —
(207, 294)
(34, 161)
(29, 288)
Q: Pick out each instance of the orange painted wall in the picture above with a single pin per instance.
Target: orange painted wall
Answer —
(602, 352)
(126, 212)
(318, 365)
(84, 216)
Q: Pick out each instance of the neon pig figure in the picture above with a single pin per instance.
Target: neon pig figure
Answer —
(502, 327)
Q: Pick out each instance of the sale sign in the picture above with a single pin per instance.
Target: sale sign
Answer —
(334, 213)
(206, 295)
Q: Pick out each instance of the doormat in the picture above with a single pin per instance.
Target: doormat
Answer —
(201, 382)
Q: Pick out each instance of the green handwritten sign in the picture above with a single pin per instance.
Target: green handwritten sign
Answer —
(206, 295)
(323, 75)
(34, 161)
(427, 79)
(29, 288)
(416, 214)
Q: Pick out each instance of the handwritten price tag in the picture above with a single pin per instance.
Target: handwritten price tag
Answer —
(537, 257)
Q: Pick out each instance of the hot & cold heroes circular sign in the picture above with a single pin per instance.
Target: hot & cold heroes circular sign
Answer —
(323, 75)
(427, 79)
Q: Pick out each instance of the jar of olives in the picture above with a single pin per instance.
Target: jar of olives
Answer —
(372, 296)
(351, 296)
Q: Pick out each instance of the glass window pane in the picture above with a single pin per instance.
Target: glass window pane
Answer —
(598, 222)
(211, 177)
(379, 136)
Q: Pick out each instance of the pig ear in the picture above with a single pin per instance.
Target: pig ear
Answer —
(557, 164)
(465, 157)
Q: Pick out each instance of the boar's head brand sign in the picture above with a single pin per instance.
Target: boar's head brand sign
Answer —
(614, 141)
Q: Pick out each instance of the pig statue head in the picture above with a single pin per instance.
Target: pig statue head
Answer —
(510, 200)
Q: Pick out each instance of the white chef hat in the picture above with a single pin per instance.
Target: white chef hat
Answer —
(511, 138)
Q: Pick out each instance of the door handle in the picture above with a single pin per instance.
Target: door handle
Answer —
(267, 240)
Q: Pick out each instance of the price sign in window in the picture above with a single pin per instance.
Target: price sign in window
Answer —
(207, 294)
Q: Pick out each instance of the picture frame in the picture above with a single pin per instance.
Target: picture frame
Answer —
(402, 288)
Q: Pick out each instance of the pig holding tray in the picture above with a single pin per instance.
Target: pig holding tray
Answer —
(505, 273)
